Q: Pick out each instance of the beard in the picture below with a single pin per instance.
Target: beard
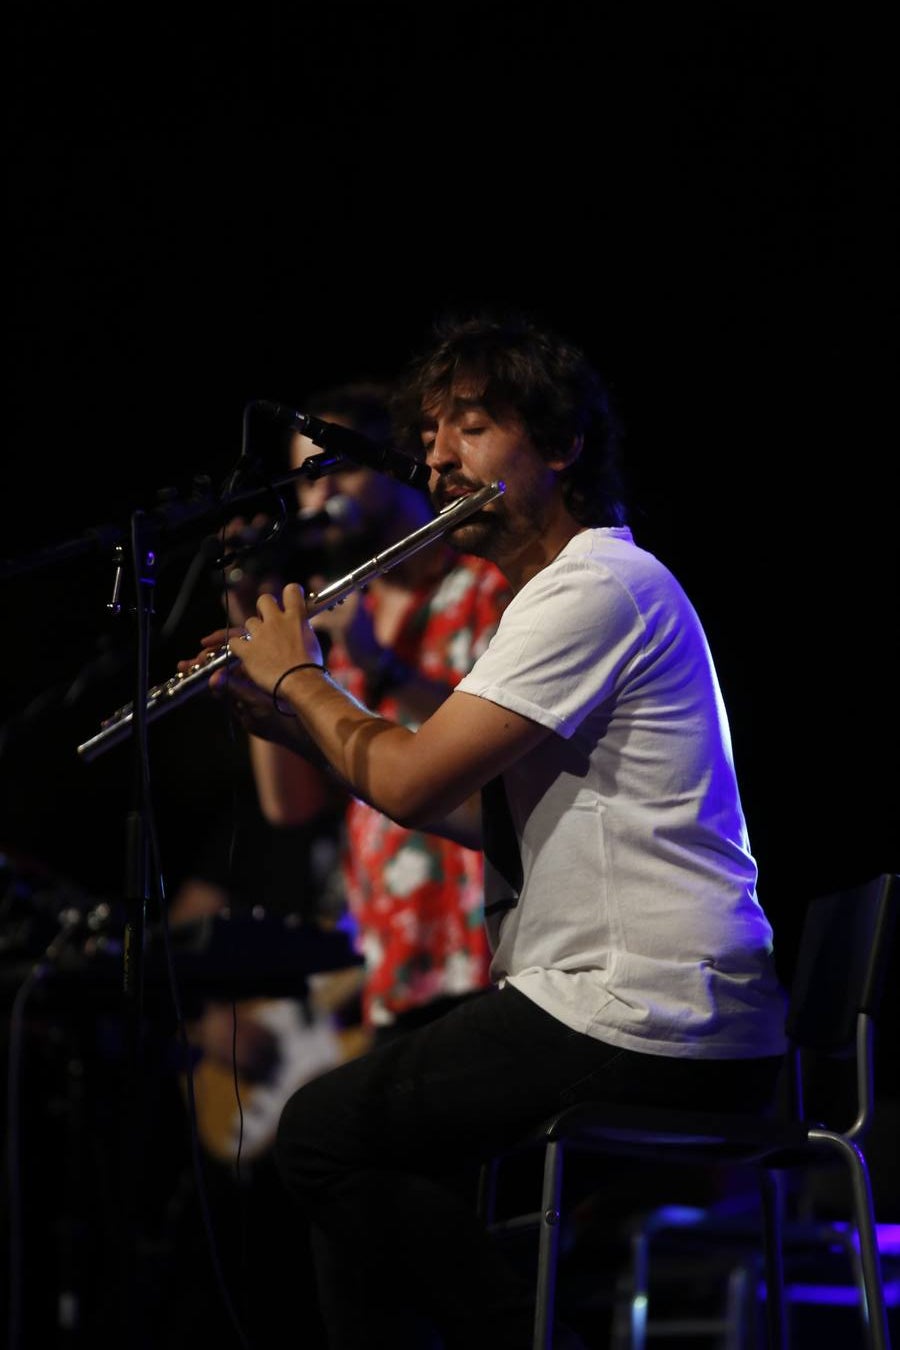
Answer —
(479, 536)
(476, 532)
(503, 527)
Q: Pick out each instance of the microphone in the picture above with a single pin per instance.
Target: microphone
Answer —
(353, 445)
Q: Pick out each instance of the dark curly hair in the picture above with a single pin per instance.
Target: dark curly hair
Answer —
(514, 365)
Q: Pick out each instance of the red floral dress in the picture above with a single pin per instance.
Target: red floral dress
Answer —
(416, 900)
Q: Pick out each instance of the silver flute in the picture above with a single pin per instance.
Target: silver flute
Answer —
(180, 687)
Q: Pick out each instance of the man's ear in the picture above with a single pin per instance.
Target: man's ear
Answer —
(561, 462)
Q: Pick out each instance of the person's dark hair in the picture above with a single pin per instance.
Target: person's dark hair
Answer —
(364, 403)
(513, 364)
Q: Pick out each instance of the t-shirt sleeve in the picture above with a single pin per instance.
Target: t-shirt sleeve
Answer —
(561, 646)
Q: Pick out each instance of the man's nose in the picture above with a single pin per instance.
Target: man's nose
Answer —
(444, 449)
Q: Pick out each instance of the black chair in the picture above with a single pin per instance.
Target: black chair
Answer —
(835, 998)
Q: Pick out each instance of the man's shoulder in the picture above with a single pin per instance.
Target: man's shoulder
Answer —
(613, 549)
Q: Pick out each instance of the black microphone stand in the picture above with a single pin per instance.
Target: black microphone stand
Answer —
(143, 873)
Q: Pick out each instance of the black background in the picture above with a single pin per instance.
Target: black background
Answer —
(206, 210)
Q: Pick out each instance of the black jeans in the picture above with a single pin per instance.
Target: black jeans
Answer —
(374, 1152)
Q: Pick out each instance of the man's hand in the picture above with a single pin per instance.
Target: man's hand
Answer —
(252, 706)
(278, 638)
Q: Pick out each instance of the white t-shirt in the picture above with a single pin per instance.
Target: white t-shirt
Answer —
(620, 890)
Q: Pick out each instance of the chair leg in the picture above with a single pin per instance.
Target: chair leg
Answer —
(771, 1194)
(874, 1312)
(640, 1266)
(548, 1246)
(738, 1301)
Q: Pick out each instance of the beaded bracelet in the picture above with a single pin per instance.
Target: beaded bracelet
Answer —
(304, 665)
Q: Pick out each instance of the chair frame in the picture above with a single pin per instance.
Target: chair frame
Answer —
(835, 999)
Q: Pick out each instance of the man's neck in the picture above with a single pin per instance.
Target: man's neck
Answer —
(536, 553)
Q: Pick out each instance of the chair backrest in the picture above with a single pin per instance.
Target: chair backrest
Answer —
(844, 951)
(836, 994)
